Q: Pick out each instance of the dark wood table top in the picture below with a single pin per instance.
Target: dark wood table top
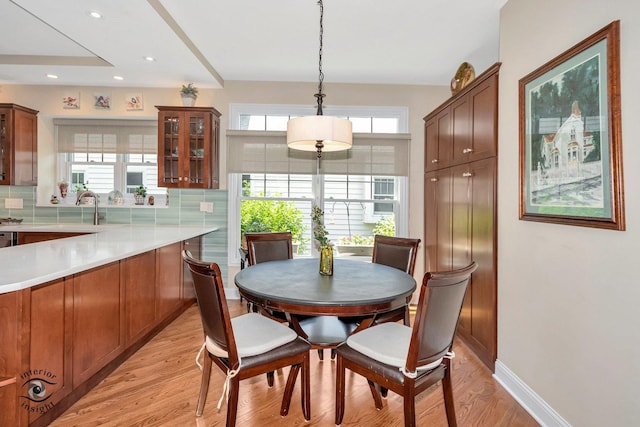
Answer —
(295, 286)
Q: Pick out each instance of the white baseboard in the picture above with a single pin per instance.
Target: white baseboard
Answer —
(527, 398)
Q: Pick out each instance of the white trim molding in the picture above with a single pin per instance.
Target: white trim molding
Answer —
(540, 410)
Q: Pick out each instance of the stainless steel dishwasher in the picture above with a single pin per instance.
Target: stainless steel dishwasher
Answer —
(8, 238)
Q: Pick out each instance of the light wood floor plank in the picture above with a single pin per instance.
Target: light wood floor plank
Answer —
(158, 386)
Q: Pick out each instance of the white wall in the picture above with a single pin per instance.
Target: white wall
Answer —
(420, 100)
(568, 297)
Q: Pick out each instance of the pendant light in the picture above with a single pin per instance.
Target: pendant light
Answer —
(319, 133)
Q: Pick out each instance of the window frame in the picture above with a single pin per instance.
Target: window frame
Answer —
(234, 181)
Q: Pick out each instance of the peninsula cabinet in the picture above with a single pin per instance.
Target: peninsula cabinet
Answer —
(460, 203)
(18, 145)
(70, 333)
(188, 147)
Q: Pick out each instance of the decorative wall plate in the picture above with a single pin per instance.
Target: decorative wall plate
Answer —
(465, 75)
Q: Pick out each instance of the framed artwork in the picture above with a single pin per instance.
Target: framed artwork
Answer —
(134, 101)
(102, 101)
(71, 101)
(571, 138)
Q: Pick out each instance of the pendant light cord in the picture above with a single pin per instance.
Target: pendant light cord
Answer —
(320, 95)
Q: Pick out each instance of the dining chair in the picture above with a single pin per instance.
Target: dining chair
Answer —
(245, 346)
(409, 360)
(400, 253)
(396, 252)
(321, 331)
(263, 247)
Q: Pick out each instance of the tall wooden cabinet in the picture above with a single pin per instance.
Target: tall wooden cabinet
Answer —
(18, 145)
(188, 147)
(460, 202)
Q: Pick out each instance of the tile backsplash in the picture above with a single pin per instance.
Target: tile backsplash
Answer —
(183, 209)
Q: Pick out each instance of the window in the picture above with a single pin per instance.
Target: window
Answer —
(107, 155)
(358, 190)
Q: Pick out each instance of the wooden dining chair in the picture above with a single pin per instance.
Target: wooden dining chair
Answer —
(409, 360)
(400, 253)
(321, 331)
(245, 346)
(263, 247)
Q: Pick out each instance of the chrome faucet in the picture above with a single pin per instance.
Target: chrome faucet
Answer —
(89, 193)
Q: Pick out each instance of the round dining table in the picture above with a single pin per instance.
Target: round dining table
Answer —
(295, 286)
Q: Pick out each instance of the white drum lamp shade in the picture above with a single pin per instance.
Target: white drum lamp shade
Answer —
(328, 133)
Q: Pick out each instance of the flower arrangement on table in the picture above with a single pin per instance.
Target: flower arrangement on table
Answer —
(320, 234)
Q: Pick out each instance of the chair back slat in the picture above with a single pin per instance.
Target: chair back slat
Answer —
(437, 315)
(265, 247)
(396, 252)
(212, 303)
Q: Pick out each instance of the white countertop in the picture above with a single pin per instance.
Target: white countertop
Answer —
(24, 266)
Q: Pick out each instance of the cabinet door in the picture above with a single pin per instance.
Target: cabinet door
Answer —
(5, 147)
(18, 145)
(168, 279)
(438, 206)
(197, 137)
(461, 130)
(169, 126)
(25, 152)
(50, 348)
(484, 102)
(139, 273)
(474, 211)
(10, 360)
(98, 335)
(438, 141)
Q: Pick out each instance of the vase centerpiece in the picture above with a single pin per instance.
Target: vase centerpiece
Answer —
(189, 93)
(325, 247)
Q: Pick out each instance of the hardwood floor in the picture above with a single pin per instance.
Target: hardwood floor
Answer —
(158, 386)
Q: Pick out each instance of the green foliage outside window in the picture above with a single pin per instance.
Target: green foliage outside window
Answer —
(271, 216)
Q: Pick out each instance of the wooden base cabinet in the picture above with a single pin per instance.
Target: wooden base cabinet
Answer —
(98, 314)
(461, 202)
(61, 338)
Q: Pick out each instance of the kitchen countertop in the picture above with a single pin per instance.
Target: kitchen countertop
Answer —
(24, 266)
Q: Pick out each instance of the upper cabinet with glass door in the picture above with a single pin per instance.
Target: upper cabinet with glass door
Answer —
(188, 147)
(18, 145)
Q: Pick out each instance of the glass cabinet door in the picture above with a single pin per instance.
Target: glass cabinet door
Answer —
(198, 150)
(4, 148)
(170, 165)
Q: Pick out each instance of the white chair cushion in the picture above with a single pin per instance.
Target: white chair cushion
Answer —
(255, 334)
(387, 343)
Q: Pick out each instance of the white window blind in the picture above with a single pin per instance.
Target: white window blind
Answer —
(106, 136)
(267, 152)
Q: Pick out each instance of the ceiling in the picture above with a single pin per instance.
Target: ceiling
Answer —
(207, 42)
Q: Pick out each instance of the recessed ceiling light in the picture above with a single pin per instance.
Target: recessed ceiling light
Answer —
(118, 77)
(52, 76)
(95, 14)
(149, 58)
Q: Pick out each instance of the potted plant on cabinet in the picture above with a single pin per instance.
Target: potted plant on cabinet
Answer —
(189, 93)
(140, 194)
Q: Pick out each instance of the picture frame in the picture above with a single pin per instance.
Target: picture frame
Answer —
(71, 101)
(133, 101)
(571, 136)
(102, 101)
